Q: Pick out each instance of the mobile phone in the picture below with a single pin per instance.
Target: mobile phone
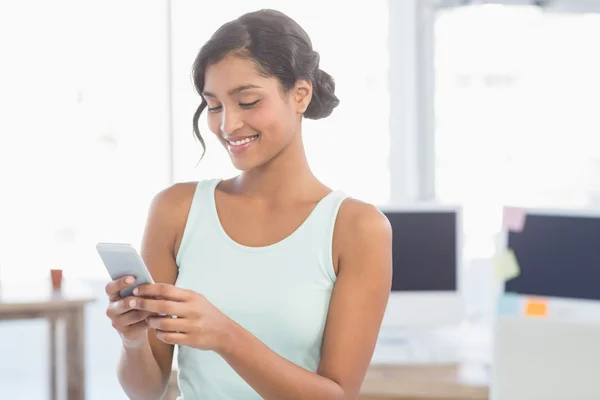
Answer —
(122, 259)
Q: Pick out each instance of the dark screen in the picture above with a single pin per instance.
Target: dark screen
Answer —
(559, 256)
(424, 250)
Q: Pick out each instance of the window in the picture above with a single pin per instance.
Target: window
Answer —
(516, 112)
(83, 147)
(348, 150)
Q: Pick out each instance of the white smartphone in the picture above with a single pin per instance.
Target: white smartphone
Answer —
(121, 259)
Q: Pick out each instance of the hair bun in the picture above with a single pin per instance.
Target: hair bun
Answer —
(323, 97)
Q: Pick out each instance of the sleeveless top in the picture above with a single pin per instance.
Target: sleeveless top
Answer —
(280, 293)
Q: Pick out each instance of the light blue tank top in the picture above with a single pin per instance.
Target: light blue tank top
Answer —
(280, 293)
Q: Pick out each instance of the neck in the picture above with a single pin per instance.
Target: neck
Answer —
(286, 176)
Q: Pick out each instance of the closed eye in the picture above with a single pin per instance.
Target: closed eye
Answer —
(217, 109)
(249, 105)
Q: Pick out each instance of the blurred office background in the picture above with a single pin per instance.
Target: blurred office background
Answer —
(479, 104)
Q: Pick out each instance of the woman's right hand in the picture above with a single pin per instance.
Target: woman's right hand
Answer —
(131, 324)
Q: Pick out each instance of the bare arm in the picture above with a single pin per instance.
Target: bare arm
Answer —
(355, 313)
(144, 370)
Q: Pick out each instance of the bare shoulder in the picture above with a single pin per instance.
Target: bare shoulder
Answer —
(176, 196)
(357, 219)
(169, 211)
(361, 228)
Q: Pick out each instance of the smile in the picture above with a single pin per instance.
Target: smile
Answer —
(239, 146)
(242, 142)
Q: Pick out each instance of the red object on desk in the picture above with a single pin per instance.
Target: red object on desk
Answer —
(56, 275)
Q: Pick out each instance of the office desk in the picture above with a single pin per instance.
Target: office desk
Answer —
(426, 382)
(395, 382)
(18, 302)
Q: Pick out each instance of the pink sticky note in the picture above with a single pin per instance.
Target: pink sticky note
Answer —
(513, 218)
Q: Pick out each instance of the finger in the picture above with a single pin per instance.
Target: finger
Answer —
(164, 291)
(114, 287)
(158, 306)
(133, 317)
(130, 318)
(120, 306)
(172, 337)
(168, 324)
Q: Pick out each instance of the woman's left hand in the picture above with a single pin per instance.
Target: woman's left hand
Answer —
(198, 323)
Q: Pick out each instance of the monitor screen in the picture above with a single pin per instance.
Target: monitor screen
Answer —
(424, 250)
(559, 256)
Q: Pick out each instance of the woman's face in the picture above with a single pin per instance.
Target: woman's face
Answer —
(249, 113)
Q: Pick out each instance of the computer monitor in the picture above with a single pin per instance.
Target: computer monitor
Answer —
(558, 252)
(427, 255)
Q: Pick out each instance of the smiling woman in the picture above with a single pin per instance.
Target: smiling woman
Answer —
(265, 75)
(281, 281)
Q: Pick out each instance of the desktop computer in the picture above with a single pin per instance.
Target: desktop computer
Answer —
(427, 258)
(548, 351)
(426, 296)
(558, 253)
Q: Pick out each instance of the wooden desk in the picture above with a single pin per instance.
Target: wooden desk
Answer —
(20, 301)
(427, 382)
(395, 382)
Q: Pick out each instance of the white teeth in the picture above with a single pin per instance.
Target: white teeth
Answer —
(243, 141)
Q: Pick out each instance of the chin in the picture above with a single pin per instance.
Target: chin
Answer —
(252, 158)
(243, 165)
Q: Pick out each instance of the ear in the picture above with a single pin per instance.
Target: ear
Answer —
(302, 95)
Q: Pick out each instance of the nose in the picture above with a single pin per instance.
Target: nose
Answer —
(230, 122)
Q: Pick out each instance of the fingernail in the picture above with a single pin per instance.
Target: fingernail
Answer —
(136, 291)
(132, 303)
(129, 279)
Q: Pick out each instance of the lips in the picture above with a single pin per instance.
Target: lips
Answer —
(240, 140)
(238, 145)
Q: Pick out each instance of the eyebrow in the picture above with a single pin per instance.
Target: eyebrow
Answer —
(234, 90)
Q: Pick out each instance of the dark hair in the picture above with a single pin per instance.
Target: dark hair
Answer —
(279, 47)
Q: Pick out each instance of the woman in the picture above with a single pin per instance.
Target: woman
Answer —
(278, 283)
